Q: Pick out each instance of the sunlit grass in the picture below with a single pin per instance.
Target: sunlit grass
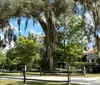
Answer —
(38, 73)
(10, 73)
(86, 76)
(18, 73)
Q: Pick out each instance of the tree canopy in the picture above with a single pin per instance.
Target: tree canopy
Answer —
(47, 13)
(91, 8)
(23, 52)
(2, 58)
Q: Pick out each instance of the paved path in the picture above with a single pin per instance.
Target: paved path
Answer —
(85, 81)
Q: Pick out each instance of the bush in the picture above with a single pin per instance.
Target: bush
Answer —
(98, 61)
(79, 65)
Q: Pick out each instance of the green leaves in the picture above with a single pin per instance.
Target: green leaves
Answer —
(74, 52)
(23, 52)
(25, 48)
(71, 50)
(76, 28)
(12, 58)
(2, 58)
(63, 7)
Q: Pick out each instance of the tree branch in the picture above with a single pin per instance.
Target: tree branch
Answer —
(42, 23)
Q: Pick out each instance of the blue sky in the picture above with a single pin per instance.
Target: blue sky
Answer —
(36, 28)
(90, 45)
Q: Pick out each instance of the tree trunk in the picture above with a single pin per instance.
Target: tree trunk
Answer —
(98, 45)
(49, 57)
(50, 36)
(3, 68)
(50, 40)
(49, 30)
(97, 38)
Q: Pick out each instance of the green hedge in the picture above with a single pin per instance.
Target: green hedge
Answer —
(79, 65)
(98, 61)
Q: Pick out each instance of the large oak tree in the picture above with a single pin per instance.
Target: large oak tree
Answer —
(45, 12)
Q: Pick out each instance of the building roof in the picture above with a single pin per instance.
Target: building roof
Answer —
(91, 51)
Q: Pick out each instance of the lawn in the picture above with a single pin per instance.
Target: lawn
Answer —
(18, 73)
(14, 82)
(87, 75)
(38, 73)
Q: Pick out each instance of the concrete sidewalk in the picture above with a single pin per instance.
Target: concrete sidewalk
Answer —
(85, 81)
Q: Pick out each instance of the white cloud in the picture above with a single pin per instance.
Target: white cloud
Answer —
(34, 32)
(23, 22)
(14, 22)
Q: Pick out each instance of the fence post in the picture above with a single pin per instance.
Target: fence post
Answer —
(69, 80)
(84, 71)
(24, 73)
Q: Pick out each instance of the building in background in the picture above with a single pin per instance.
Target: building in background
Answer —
(92, 56)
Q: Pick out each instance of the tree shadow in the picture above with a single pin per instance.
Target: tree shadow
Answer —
(36, 83)
(40, 83)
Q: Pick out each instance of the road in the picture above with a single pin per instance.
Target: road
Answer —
(84, 81)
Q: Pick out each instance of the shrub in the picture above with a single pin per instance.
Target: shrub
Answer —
(98, 60)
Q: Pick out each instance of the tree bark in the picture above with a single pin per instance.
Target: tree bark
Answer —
(50, 43)
(50, 36)
(3, 68)
(97, 24)
(98, 45)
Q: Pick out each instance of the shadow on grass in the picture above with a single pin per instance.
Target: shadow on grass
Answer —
(36, 83)
(14, 82)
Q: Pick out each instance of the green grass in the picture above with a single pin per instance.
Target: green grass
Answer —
(13, 82)
(38, 73)
(18, 73)
(10, 74)
(87, 75)
(92, 75)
